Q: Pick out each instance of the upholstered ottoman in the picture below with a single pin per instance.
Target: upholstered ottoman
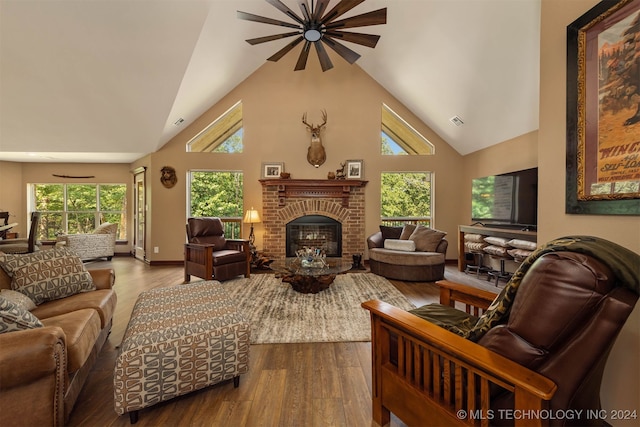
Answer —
(179, 339)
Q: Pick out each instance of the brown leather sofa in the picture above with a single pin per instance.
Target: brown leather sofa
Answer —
(42, 370)
(415, 266)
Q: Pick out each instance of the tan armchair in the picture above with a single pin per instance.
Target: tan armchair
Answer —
(209, 255)
(99, 244)
(543, 348)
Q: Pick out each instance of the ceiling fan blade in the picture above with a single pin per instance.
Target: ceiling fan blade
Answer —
(321, 6)
(325, 62)
(304, 54)
(251, 17)
(349, 55)
(340, 9)
(282, 52)
(265, 39)
(284, 9)
(306, 12)
(375, 17)
(368, 40)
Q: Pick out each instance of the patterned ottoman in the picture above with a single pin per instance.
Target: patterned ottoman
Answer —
(179, 339)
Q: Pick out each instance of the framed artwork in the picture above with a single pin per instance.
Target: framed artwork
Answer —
(603, 110)
(354, 169)
(272, 169)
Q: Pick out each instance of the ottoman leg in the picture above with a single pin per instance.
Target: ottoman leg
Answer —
(236, 381)
(133, 417)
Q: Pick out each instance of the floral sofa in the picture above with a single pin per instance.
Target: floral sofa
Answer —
(55, 317)
(413, 253)
(99, 244)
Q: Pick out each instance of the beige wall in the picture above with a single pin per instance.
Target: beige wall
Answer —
(621, 389)
(274, 99)
(13, 197)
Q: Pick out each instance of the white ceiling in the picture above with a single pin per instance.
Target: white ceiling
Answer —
(105, 80)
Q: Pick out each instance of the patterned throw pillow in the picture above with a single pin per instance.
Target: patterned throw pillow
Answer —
(14, 318)
(106, 228)
(47, 275)
(19, 299)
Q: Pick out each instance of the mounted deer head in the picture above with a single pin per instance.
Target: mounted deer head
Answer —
(316, 154)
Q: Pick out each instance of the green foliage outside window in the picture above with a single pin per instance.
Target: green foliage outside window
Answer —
(233, 144)
(218, 194)
(79, 208)
(406, 196)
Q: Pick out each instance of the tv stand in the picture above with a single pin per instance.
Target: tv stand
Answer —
(507, 233)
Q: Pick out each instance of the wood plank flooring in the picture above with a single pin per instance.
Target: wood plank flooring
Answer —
(308, 384)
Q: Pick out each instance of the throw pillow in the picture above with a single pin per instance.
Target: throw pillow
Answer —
(497, 251)
(400, 245)
(475, 246)
(19, 299)
(407, 230)
(519, 254)
(106, 228)
(426, 239)
(13, 318)
(471, 237)
(523, 244)
(497, 241)
(47, 275)
(390, 232)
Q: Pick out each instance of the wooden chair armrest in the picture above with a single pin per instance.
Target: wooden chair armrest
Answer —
(475, 300)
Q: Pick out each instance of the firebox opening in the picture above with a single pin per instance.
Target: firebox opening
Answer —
(314, 231)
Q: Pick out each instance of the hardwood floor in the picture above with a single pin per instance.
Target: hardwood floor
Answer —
(310, 384)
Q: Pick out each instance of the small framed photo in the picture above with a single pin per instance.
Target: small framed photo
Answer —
(354, 169)
(272, 169)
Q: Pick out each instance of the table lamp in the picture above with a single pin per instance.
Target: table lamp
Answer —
(251, 217)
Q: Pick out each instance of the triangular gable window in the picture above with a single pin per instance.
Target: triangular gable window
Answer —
(223, 135)
(400, 138)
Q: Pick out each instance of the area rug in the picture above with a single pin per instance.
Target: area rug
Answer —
(278, 314)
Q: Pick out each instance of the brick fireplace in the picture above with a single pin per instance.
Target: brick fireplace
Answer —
(285, 200)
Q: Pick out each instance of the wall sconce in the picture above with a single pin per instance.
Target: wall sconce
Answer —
(251, 217)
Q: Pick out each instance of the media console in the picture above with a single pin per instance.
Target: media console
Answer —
(531, 236)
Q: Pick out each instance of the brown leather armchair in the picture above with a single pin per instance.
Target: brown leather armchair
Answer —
(209, 255)
(547, 351)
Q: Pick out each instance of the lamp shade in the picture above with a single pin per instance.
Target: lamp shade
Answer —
(251, 217)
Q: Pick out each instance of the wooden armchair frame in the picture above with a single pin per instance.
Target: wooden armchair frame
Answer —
(427, 375)
(198, 258)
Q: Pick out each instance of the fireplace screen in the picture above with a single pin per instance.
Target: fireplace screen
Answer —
(314, 231)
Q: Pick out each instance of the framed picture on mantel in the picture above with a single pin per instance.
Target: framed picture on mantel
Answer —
(354, 169)
(603, 110)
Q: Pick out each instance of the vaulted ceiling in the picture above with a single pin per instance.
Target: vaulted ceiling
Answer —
(105, 81)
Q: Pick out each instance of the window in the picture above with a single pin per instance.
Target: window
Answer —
(223, 135)
(399, 138)
(78, 208)
(406, 198)
(220, 194)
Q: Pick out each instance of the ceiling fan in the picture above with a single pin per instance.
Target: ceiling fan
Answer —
(317, 27)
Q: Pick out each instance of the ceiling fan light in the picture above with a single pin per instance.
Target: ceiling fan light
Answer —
(312, 35)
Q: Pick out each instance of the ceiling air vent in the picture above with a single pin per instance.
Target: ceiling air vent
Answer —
(456, 121)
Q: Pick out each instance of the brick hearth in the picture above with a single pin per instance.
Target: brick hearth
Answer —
(285, 200)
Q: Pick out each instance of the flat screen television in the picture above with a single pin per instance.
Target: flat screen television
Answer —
(509, 199)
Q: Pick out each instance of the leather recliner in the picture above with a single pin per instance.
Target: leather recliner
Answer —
(209, 255)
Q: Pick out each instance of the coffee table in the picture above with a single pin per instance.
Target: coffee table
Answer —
(309, 280)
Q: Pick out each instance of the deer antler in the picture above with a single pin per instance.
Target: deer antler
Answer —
(311, 126)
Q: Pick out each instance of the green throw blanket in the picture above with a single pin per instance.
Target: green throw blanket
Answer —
(624, 263)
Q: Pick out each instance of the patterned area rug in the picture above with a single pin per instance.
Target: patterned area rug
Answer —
(278, 314)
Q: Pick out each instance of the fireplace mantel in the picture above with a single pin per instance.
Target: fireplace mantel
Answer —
(313, 188)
